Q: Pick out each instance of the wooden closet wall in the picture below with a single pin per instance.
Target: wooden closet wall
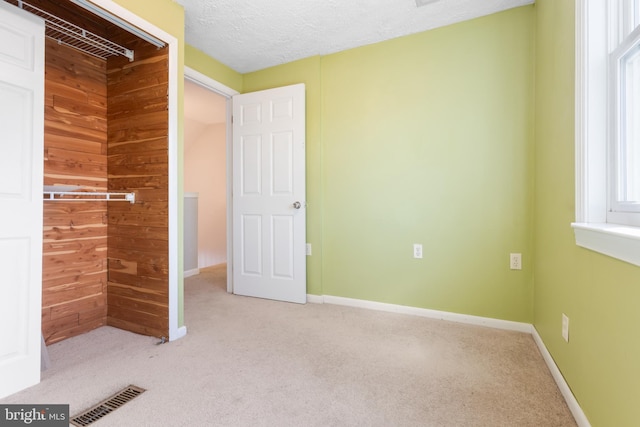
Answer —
(74, 268)
(138, 245)
(106, 129)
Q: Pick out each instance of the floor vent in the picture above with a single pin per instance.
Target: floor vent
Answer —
(107, 406)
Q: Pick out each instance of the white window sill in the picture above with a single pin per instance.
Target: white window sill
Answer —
(617, 241)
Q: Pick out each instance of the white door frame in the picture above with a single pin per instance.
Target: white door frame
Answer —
(228, 93)
(175, 193)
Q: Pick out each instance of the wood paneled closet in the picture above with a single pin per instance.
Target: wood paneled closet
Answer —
(106, 129)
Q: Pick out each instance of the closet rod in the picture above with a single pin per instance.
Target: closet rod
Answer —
(69, 34)
(90, 196)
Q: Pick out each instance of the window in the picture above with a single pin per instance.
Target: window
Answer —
(624, 122)
(608, 127)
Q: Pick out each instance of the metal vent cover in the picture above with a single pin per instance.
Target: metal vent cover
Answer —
(107, 406)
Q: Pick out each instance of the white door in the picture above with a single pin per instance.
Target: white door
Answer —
(21, 172)
(269, 224)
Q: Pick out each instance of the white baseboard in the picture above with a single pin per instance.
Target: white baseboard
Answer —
(315, 299)
(572, 402)
(528, 328)
(422, 312)
(179, 333)
(191, 272)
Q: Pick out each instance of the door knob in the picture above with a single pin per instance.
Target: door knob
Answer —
(297, 205)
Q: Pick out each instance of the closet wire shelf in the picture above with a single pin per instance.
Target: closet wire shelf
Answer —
(65, 194)
(71, 35)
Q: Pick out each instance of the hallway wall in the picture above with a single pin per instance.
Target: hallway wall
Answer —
(205, 174)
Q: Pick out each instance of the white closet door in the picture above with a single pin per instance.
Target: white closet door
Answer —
(21, 175)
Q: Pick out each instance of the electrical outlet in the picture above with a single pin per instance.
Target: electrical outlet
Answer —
(515, 261)
(417, 250)
(308, 249)
(565, 327)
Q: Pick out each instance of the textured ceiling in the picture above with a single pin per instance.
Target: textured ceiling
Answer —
(249, 35)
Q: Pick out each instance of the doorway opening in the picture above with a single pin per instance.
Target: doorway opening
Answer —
(207, 131)
(205, 215)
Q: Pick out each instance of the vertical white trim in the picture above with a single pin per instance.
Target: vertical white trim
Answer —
(229, 136)
(223, 90)
(175, 235)
(580, 113)
(591, 111)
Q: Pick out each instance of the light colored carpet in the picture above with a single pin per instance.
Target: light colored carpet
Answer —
(253, 362)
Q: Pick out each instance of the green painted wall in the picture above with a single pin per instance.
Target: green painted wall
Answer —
(599, 294)
(422, 139)
(428, 139)
(208, 66)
